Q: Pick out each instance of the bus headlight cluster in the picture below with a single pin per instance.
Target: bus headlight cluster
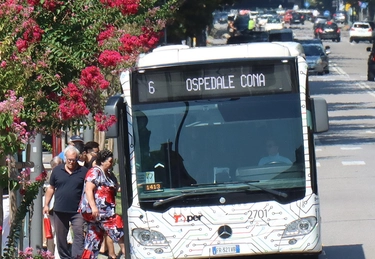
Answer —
(149, 237)
(300, 227)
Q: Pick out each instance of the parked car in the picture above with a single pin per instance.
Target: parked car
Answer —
(340, 17)
(316, 28)
(362, 31)
(297, 18)
(281, 35)
(371, 63)
(320, 19)
(311, 41)
(316, 57)
(274, 23)
(328, 31)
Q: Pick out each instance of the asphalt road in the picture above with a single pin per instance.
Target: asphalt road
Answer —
(345, 154)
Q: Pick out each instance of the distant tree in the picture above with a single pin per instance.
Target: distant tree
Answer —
(192, 18)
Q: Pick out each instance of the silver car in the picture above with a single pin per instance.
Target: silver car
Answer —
(339, 17)
(317, 58)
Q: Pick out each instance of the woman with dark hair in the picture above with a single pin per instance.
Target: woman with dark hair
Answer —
(98, 205)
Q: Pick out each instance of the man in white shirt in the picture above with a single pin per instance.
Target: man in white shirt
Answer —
(273, 155)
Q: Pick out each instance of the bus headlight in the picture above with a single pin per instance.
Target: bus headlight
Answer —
(149, 237)
(300, 227)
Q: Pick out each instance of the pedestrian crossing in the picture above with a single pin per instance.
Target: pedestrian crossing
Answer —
(341, 159)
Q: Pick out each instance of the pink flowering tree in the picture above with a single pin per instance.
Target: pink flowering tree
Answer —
(13, 130)
(29, 191)
(61, 59)
(64, 57)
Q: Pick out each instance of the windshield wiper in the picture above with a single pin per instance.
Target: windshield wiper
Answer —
(194, 192)
(216, 184)
(177, 197)
(187, 193)
(277, 193)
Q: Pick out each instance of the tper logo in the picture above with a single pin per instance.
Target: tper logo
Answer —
(182, 218)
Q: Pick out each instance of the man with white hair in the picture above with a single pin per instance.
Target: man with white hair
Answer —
(73, 140)
(66, 184)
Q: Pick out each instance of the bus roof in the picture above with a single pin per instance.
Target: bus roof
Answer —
(174, 54)
(295, 48)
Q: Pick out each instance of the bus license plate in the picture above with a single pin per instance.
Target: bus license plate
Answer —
(229, 249)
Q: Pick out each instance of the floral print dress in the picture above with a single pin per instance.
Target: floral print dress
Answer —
(108, 221)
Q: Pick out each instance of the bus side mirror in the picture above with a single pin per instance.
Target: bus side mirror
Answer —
(113, 107)
(319, 114)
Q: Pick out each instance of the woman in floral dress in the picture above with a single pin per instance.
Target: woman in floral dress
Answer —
(98, 206)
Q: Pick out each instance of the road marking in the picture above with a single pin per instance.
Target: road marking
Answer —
(318, 149)
(370, 131)
(331, 77)
(350, 148)
(353, 162)
(340, 71)
(367, 88)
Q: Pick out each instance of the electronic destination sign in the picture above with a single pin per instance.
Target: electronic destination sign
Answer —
(218, 80)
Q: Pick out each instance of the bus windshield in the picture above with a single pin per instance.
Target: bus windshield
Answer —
(194, 144)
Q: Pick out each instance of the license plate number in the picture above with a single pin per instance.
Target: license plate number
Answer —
(229, 249)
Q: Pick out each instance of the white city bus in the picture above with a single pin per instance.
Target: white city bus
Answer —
(195, 131)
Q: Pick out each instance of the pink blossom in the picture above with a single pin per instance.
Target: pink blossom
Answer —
(22, 45)
(91, 77)
(109, 58)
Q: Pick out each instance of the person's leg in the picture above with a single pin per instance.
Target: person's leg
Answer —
(103, 248)
(93, 241)
(114, 229)
(122, 245)
(77, 225)
(110, 246)
(61, 223)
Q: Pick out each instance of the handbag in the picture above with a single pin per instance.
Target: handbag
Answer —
(47, 227)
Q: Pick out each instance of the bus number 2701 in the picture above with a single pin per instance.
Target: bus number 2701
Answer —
(258, 214)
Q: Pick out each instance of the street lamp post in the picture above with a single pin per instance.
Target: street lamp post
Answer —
(36, 228)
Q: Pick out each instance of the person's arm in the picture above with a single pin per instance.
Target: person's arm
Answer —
(47, 198)
(89, 190)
